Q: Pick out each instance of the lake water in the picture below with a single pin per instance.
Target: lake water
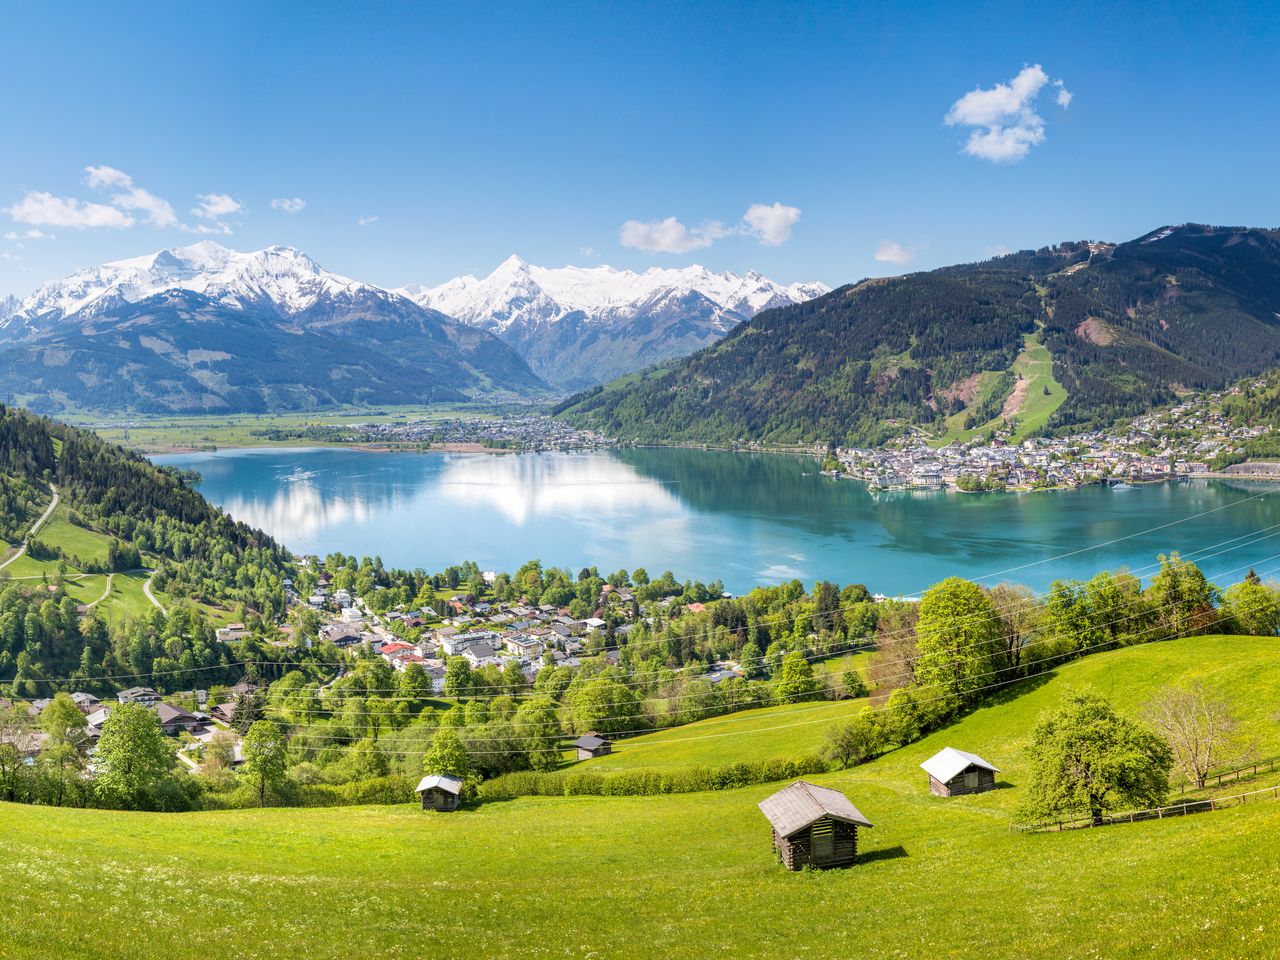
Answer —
(746, 519)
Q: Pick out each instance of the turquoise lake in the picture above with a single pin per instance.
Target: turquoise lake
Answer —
(747, 519)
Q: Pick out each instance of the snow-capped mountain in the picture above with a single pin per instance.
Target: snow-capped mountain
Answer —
(520, 293)
(280, 278)
(205, 328)
(577, 326)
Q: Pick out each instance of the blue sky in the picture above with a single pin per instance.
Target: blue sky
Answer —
(575, 133)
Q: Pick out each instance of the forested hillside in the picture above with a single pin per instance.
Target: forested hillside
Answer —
(133, 515)
(1128, 327)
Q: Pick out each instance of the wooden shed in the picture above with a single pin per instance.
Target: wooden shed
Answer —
(592, 745)
(813, 826)
(440, 792)
(954, 772)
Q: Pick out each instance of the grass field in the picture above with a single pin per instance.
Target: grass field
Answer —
(88, 545)
(676, 876)
(239, 430)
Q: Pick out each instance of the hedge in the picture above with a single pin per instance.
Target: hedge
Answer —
(636, 783)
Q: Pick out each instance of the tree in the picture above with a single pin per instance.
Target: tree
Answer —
(538, 723)
(1183, 598)
(63, 721)
(854, 741)
(605, 706)
(265, 756)
(959, 637)
(1199, 726)
(1086, 758)
(457, 677)
(796, 681)
(133, 756)
(447, 755)
(62, 766)
(415, 683)
(250, 708)
(1252, 607)
(219, 752)
(854, 686)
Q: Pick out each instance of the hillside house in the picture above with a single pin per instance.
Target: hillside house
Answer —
(174, 720)
(225, 712)
(813, 826)
(143, 695)
(592, 745)
(440, 792)
(954, 772)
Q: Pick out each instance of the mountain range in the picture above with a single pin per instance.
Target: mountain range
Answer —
(1125, 327)
(204, 328)
(579, 326)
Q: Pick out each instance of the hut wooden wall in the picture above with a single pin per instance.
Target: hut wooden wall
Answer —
(956, 786)
(796, 851)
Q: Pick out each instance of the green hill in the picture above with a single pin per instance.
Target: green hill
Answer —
(1127, 327)
(680, 875)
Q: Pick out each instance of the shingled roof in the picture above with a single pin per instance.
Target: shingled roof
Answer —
(795, 807)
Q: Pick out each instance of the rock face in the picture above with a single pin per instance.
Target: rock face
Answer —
(580, 326)
(206, 328)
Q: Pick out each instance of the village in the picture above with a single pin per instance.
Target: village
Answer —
(1172, 444)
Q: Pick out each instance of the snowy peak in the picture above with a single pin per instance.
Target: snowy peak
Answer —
(518, 294)
(282, 278)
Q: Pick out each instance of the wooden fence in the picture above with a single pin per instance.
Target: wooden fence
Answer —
(1156, 813)
(1243, 772)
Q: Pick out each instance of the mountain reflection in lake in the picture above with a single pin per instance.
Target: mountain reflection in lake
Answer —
(746, 518)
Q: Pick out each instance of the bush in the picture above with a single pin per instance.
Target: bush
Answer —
(640, 783)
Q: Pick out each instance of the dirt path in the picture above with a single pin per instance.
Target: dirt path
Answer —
(35, 528)
(146, 588)
(105, 593)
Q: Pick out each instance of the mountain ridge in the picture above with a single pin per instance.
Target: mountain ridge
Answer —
(608, 321)
(1128, 326)
(207, 329)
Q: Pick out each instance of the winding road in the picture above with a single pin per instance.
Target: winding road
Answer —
(35, 527)
(146, 588)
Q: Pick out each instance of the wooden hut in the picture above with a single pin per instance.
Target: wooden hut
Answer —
(440, 792)
(813, 826)
(953, 772)
(592, 745)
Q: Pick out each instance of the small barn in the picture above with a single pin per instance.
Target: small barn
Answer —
(954, 772)
(440, 792)
(813, 826)
(592, 745)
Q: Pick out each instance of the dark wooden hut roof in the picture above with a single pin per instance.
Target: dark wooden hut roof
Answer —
(797, 806)
(590, 742)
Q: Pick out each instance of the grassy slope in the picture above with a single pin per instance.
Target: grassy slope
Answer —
(672, 876)
(88, 545)
(1035, 365)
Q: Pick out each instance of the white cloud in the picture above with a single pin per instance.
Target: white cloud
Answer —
(288, 204)
(1004, 119)
(214, 227)
(215, 205)
(32, 234)
(588, 252)
(44, 209)
(891, 252)
(100, 178)
(669, 235)
(365, 221)
(770, 223)
(129, 196)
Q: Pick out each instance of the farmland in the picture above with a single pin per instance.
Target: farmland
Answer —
(680, 876)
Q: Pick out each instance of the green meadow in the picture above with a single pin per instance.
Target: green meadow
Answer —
(681, 875)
